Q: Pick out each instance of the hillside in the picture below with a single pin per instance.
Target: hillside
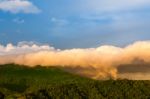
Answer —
(53, 83)
(18, 79)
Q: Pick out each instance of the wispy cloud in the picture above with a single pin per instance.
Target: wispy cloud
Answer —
(111, 5)
(59, 22)
(18, 20)
(18, 6)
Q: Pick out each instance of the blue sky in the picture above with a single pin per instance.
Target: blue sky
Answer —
(74, 23)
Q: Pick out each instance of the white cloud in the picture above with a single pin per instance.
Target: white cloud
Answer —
(18, 6)
(23, 47)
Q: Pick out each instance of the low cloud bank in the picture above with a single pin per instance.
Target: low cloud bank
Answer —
(98, 63)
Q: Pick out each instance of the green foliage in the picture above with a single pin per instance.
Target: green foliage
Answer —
(20, 82)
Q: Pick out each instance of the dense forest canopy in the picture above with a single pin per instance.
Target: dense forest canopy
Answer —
(54, 83)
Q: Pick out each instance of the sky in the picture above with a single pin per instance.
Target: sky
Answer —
(74, 23)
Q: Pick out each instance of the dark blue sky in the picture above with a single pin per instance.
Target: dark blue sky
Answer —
(74, 23)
